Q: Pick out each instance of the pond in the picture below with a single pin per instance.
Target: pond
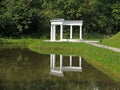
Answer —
(22, 69)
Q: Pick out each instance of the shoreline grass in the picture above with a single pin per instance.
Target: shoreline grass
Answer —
(105, 60)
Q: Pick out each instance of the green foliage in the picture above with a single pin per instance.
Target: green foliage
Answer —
(116, 10)
(116, 15)
(18, 16)
(31, 18)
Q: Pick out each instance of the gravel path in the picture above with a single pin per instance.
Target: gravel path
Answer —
(104, 46)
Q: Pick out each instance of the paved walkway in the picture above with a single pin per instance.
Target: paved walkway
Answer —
(104, 46)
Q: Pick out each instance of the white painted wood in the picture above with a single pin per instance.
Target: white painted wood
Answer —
(54, 32)
(57, 21)
(80, 32)
(61, 32)
(73, 22)
(62, 22)
(80, 61)
(71, 31)
(61, 57)
(53, 61)
(73, 68)
(51, 33)
(70, 61)
(58, 71)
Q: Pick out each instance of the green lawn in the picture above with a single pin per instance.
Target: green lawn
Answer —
(113, 41)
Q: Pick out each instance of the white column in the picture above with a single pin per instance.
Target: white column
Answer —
(61, 32)
(51, 33)
(61, 57)
(53, 61)
(54, 32)
(70, 31)
(80, 32)
(70, 61)
(80, 60)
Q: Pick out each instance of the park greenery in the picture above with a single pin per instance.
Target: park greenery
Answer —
(31, 18)
(105, 60)
(113, 41)
(21, 19)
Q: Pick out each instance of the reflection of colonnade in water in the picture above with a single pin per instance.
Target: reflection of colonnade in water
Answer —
(58, 70)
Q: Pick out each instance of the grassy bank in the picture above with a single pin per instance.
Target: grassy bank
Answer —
(113, 41)
(105, 60)
(18, 41)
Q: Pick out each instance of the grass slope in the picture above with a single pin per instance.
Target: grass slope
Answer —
(113, 41)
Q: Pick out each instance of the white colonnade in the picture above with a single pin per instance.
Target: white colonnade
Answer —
(58, 70)
(61, 23)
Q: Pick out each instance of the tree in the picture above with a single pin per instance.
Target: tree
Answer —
(31, 18)
(18, 15)
(116, 16)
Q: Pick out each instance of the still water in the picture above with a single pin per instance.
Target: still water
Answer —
(22, 69)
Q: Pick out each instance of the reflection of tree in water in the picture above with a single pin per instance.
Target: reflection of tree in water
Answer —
(1, 41)
(25, 70)
(22, 62)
